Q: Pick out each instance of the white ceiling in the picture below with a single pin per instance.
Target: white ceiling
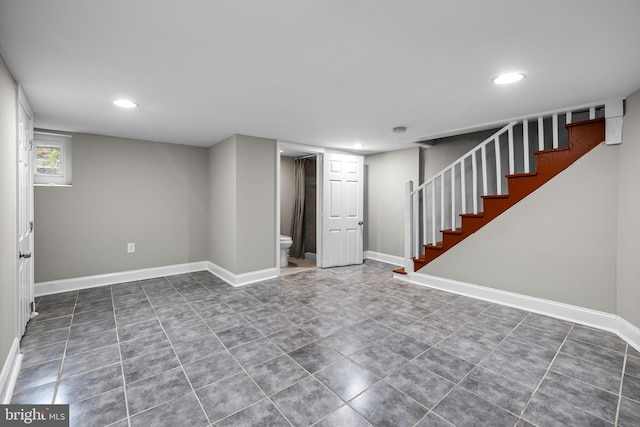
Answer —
(325, 73)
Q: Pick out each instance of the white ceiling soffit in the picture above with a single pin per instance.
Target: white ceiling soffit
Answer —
(327, 73)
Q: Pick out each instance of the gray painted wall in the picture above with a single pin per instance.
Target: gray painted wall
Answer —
(287, 189)
(628, 267)
(386, 174)
(447, 150)
(242, 191)
(8, 224)
(124, 190)
(222, 199)
(559, 243)
(256, 209)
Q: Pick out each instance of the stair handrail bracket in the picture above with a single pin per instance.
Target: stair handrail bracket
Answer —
(437, 206)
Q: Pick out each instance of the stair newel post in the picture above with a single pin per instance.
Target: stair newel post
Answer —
(408, 227)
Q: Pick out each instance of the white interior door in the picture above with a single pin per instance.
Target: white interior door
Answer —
(25, 214)
(342, 210)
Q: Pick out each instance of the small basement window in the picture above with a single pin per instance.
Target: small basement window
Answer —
(52, 159)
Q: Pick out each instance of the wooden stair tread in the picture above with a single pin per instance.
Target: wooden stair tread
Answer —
(552, 150)
(400, 270)
(456, 231)
(495, 196)
(438, 246)
(522, 175)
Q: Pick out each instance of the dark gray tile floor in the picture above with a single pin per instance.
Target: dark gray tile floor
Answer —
(344, 346)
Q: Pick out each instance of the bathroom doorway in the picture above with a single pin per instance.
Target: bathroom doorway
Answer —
(299, 210)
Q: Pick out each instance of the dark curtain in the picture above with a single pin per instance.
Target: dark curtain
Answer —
(297, 223)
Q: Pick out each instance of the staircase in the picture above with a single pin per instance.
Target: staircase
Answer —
(492, 177)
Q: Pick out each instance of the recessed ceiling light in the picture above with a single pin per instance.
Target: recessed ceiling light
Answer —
(358, 146)
(508, 78)
(125, 103)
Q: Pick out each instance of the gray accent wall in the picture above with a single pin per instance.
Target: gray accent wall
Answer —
(8, 224)
(447, 150)
(222, 199)
(242, 191)
(124, 191)
(559, 243)
(628, 249)
(386, 174)
(256, 210)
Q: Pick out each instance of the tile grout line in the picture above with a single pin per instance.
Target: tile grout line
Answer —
(240, 364)
(381, 379)
(124, 380)
(476, 365)
(64, 354)
(193, 390)
(624, 367)
(122, 360)
(547, 371)
(284, 354)
(230, 354)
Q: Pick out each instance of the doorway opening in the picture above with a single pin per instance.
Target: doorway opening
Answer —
(299, 207)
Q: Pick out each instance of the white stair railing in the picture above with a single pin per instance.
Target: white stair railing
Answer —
(437, 204)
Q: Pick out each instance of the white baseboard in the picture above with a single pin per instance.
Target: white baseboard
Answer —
(585, 316)
(76, 283)
(10, 371)
(403, 277)
(628, 332)
(390, 259)
(244, 278)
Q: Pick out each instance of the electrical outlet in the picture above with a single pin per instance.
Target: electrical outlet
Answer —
(131, 248)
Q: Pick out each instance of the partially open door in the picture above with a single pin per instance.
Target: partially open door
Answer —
(342, 210)
(24, 294)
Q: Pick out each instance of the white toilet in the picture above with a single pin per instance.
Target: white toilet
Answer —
(285, 244)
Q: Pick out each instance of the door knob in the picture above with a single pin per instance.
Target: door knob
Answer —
(25, 254)
(360, 222)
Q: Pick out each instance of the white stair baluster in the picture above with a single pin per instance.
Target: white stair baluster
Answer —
(512, 161)
(540, 134)
(433, 212)
(498, 166)
(474, 178)
(525, 142)
(483, 160)
(416, 223)
(453, 197)
(554, 125)
(463, 189)
(425, 216)
(442, 201)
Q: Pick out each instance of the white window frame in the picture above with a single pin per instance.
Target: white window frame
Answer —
(64, 142)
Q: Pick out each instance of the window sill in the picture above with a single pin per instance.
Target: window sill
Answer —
(53, 185)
